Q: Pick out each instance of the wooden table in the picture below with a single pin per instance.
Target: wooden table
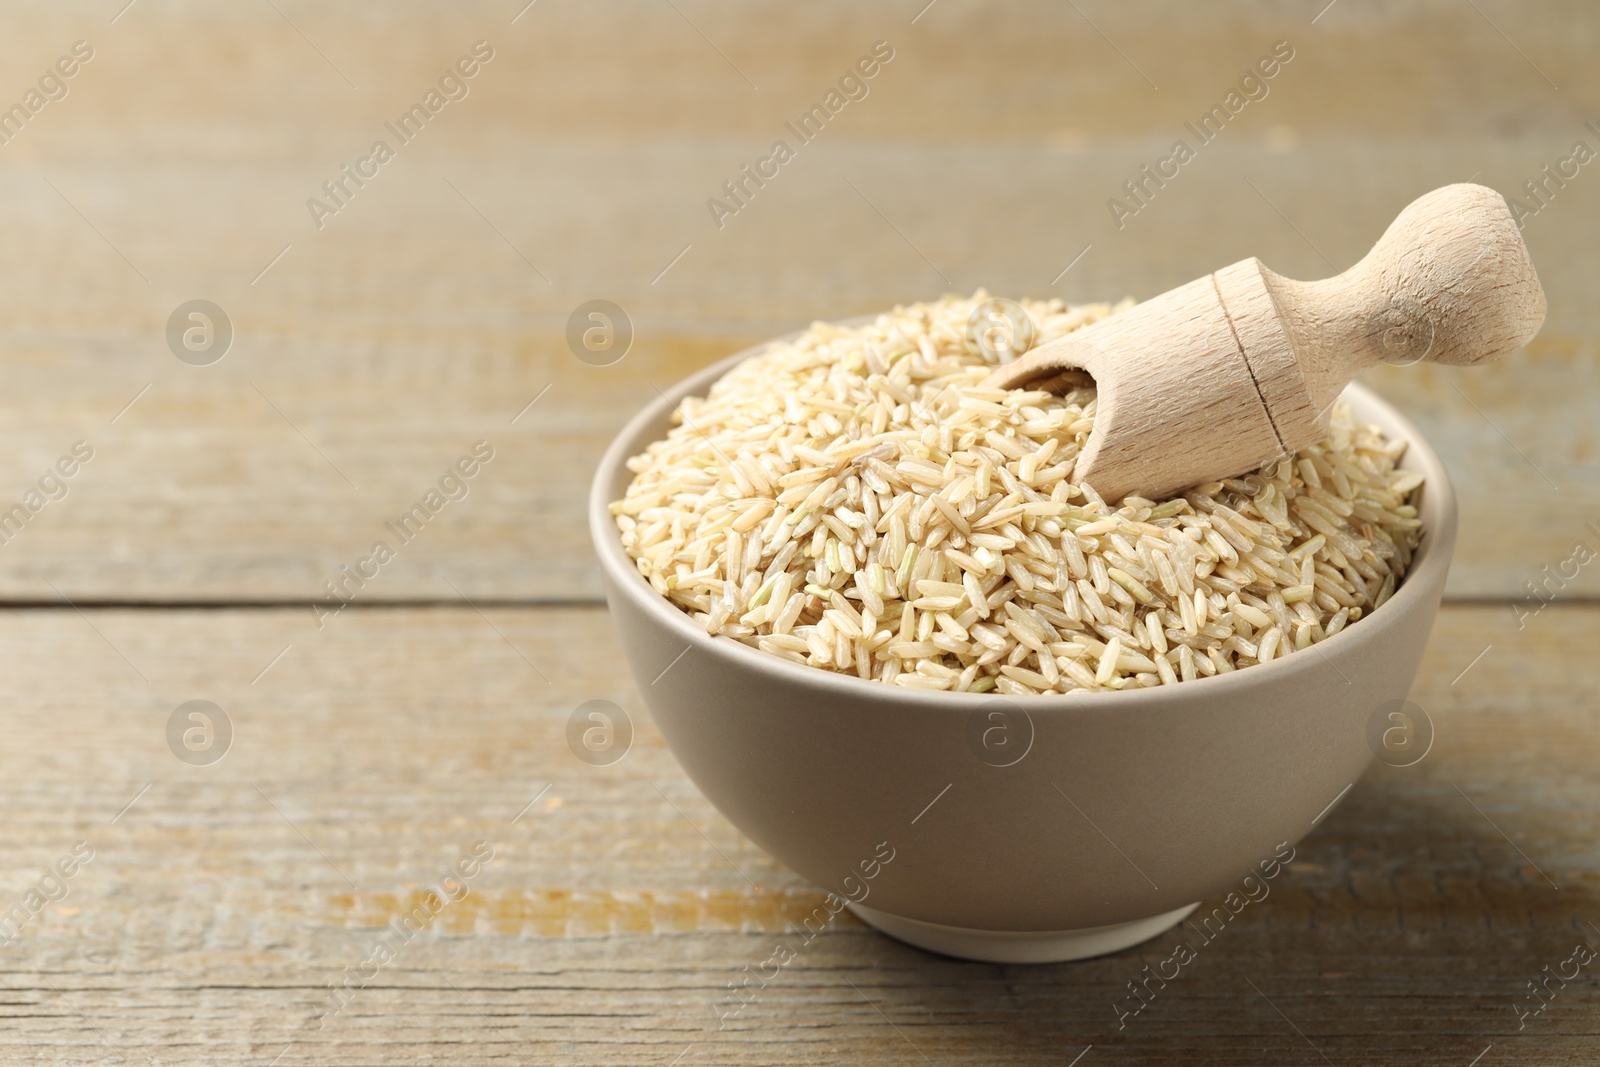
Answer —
(372, 752)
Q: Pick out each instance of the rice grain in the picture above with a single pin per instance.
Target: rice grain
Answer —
(856, 500)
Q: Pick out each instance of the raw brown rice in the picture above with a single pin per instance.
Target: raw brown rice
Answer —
(855, 500)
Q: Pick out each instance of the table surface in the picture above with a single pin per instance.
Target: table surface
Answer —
(372, 750)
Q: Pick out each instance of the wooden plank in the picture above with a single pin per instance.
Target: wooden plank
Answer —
(966, 70)
(229, 481)
(378, 750)
(379, 348)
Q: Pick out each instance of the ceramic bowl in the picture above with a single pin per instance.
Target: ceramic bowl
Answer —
(1022, 829)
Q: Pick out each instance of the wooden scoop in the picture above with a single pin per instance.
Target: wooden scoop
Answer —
(1222, 375)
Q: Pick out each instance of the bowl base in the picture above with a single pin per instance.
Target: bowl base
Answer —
(1010, 946)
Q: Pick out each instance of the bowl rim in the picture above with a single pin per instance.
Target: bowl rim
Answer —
(1429, 566)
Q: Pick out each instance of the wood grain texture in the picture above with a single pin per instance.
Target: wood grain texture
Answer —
(432, 308)
(619, 905)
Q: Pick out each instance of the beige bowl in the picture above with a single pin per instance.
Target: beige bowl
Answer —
(1021, 829)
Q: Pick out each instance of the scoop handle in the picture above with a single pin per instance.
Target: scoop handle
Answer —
(1450, 281)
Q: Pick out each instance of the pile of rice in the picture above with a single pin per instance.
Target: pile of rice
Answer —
(855, 500)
